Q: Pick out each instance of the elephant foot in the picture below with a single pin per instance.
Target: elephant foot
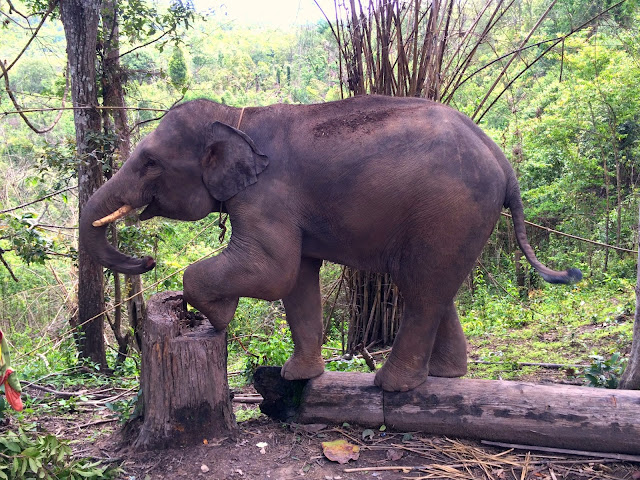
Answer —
(393, 378)
(301, 368)
(219, 313)
(449, 358)
(449, 368)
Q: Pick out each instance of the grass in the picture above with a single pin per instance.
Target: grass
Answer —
(559, 324)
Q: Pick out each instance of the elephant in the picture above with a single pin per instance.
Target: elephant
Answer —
(404, 186)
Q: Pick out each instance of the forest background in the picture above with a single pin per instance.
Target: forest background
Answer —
(569, 122)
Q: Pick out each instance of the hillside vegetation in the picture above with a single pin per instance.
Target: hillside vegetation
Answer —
(570, 125)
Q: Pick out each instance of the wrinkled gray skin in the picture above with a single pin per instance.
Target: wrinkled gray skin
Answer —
(404, 186)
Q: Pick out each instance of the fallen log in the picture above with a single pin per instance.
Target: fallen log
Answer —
(562, 416)
(183, 377)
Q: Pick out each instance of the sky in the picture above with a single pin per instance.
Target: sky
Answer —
(276, 13)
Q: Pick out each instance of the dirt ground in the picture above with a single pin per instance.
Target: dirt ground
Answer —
(296, 451)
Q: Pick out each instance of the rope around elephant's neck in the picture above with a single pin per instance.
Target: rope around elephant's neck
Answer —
(222, 223)
(240, 119)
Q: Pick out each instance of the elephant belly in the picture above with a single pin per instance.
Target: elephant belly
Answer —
(430, 229)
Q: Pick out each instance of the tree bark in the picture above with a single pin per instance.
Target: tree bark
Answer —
(113, 96)
(183, 377)
(631, 376)
(561, 416)
(80, 19)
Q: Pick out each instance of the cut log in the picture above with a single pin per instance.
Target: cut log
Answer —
(562, 416)
(183, 377)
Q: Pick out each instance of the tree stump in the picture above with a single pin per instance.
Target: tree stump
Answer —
(183, 377)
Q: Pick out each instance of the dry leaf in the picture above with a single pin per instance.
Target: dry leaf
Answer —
(340, 451)
(394, 454)
(311, 427)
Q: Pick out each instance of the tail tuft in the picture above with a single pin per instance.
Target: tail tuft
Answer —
(568, 277)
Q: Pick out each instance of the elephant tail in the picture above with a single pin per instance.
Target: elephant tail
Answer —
(514, 203)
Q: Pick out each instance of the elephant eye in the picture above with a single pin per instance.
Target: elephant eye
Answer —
(150, 163)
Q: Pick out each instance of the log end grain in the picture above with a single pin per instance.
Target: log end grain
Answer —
(282, 397)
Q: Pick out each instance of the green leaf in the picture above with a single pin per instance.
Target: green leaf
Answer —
(11, 446)
(33, 465)
(31, 452)
(382, 428)
(407, 437)
(368, 434)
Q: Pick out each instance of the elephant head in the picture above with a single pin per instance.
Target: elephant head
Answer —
(182, 170)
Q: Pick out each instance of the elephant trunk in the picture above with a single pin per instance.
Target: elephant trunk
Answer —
(98, 211)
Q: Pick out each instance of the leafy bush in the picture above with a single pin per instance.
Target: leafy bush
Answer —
(605, 373)
(45, 457)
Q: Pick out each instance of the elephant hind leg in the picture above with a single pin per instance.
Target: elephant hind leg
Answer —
(449, 356)
(408, 364)
(303, 306)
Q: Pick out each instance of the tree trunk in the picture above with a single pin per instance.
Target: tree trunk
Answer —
(561, 416)
(80, 20)
(631, 376)
(113, 96)
(183, 377)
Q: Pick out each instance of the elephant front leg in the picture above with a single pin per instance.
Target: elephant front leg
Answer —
(248, 267)
(303, 306)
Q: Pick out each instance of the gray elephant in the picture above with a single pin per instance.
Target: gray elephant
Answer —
(403, 186)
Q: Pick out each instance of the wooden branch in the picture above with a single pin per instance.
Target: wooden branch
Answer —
(561, 39)
(557, 416)
(52, 5)
(13, 99)
(510, 61)
(6, 265)
(563, 451)
(62, 190)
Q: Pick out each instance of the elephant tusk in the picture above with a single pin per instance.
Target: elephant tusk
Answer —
(112, 217)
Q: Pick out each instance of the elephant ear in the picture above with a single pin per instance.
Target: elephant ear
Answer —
(231, 163)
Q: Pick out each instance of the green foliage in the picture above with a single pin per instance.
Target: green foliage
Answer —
(27, 239)
(28, 456)
(178, 68)
(354, 364)
(60, 160)
(273, 349)
(245, 414)
(127, 409)
(605, 373)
